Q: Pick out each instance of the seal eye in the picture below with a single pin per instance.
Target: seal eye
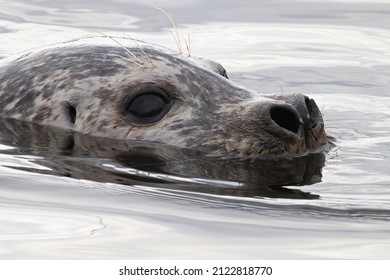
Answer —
(148, 106)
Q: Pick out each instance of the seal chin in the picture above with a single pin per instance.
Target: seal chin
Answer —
(271, 146)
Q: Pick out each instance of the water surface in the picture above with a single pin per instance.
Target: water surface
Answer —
(70, 196)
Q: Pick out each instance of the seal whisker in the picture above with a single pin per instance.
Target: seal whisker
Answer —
(175, 34)
(142, 50)
(138, 62)
(177, 44)
(188, 44)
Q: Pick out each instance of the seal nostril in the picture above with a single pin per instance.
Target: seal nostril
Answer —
(285, 118)
(313, 113)
(309, 106)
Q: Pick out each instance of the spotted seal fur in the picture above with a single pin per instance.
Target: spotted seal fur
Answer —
(126, 89)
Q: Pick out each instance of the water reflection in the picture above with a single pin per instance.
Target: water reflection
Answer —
(70, 154)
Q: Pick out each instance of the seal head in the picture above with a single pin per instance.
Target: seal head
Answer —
(139, 91)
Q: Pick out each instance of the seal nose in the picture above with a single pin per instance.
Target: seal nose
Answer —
(286, 117)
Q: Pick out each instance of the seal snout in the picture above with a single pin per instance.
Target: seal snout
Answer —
(295, 122)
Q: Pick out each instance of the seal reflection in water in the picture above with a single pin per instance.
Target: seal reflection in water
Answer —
(71, 154)
(138, 91)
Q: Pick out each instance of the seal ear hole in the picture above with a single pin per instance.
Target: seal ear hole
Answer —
(72, 113)
(224, 73)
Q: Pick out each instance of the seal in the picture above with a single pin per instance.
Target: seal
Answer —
(126, 89)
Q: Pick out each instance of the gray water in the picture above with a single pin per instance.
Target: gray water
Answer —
(90, 204)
